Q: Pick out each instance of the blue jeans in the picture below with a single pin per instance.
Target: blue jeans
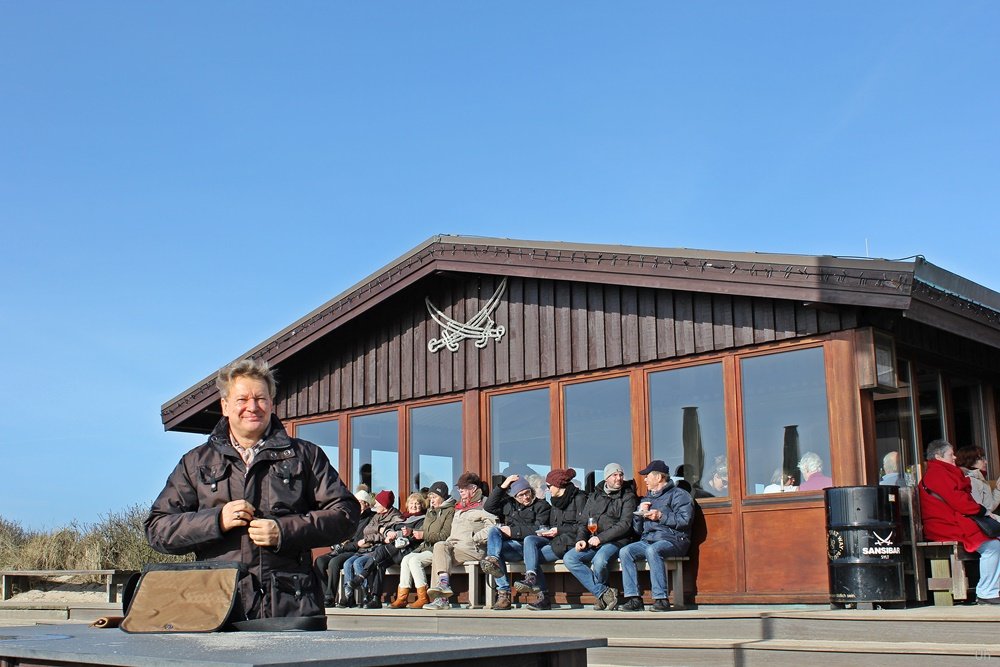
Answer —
(505, 549)
(537, 550)
(349, 567)
(590, 566)
(653, 553)
(989, 570)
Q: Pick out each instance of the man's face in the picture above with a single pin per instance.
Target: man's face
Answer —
(525, 497)
(655, 480)
(248, 407)
(614, 481)
(467, 492)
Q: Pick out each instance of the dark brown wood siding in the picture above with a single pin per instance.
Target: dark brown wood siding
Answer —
(553, 328)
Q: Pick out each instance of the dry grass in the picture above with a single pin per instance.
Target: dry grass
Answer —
(116, 541)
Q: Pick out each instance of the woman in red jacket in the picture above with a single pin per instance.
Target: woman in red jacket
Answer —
(946, 503)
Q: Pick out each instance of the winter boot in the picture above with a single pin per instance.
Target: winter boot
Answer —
(401, 598)
(422, 598)
(502, 603)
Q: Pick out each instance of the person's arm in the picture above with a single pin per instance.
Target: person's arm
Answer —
(496, 502)
(622, 527)
(679, 512)
(176, 523)
(487, 521)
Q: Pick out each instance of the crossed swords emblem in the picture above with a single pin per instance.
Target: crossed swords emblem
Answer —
(481, 327)
(882, 541)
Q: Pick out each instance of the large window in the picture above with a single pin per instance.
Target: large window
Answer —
(895, 447)
(598, 427)
(687, 421)
(375, 451)
(435, 445)
(325, 434)
(786, 424)
(519, 435)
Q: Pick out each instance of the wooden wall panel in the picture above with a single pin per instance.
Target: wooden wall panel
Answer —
(714, 560)
(785, 550)
(552, 329)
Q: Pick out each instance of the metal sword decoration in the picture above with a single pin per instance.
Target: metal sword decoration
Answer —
(481, 327)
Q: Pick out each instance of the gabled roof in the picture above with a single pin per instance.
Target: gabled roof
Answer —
(922, 291)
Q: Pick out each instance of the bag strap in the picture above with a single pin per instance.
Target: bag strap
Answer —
(938, 496)
(281, 624)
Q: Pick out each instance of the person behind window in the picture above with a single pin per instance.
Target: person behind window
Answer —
(813, 478)
(718, 483)
(781, 483)
(946, 503)
(972, 461)
(890, 464)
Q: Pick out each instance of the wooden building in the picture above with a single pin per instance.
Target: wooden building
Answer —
(496, 355)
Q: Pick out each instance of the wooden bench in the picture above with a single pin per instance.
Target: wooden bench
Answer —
(948, 580)
(470, 568)
(674, 566)
(113, 579)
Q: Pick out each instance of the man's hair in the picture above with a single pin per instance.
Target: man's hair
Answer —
(936, 448)
(257, 369)
(810, 462)
(967, 456)
(890, 462)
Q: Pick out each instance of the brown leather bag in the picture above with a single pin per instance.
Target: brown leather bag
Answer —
(182, 597)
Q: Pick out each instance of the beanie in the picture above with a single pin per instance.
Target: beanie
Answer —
(385, 498)
(560, 477)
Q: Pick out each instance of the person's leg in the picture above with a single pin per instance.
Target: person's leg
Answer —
(406, 567)
(628, 555)
(418, 567)
(578, 563)
(320, 568)
(533, 552)
(655, 553)
(602, 560)
(494, 541)
(546, 555)
(988, 587)
(440, 566)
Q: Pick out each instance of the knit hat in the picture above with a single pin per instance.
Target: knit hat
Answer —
(560, 477)
(519, 485)
(440, 489)
(612, 468)
(365, 497)
(385, 498)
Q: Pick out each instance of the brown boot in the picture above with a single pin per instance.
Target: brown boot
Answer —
(502, 603)
(422, 598)
(401, 595)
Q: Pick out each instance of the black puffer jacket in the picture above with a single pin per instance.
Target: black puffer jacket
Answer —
(523, 520)
(613, 511)
(568, 516)
(290, 481)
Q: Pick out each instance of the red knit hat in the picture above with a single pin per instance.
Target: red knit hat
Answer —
(561, 477)
(385, 498)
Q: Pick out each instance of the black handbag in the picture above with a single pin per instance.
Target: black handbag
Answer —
(986, 523)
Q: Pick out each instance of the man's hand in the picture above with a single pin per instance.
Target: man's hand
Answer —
(362, 543)
(264, 532)
(235, 514)
(594, 541)
(510, 480)
(580, 546)
(550, 533)
(505, 530)
(654, 515)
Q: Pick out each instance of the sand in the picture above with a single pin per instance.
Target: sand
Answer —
(62, 590)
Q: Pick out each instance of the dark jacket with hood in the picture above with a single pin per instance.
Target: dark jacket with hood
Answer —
(568, 516)
(523, 520)
(613, 511)
(289, 480)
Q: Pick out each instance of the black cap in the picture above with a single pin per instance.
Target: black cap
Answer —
(656, 465)
(440, 489)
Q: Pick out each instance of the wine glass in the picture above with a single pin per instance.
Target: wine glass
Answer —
(592, 525)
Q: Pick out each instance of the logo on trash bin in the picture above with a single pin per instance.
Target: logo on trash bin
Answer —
(883, 546)
(834, 544)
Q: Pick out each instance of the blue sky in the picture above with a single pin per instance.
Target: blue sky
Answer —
(179, 181)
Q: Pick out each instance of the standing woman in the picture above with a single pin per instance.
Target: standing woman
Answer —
(972, 461)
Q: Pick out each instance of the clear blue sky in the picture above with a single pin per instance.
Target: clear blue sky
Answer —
(179, 181)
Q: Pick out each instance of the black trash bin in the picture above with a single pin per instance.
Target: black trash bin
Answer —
(865, 546)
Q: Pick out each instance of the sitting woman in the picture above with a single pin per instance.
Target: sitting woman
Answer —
(328, 566)
(386, 516)
(369, 570)
(972, 460)
(436, 527)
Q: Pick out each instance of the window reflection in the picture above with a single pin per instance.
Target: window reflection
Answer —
(520, 436)
(967, 409)
(929, 400)
(326, 435)
(375, 451)
(598, 428)
(435, 445)
(786, 426)
(687, 420)
(895, 446)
